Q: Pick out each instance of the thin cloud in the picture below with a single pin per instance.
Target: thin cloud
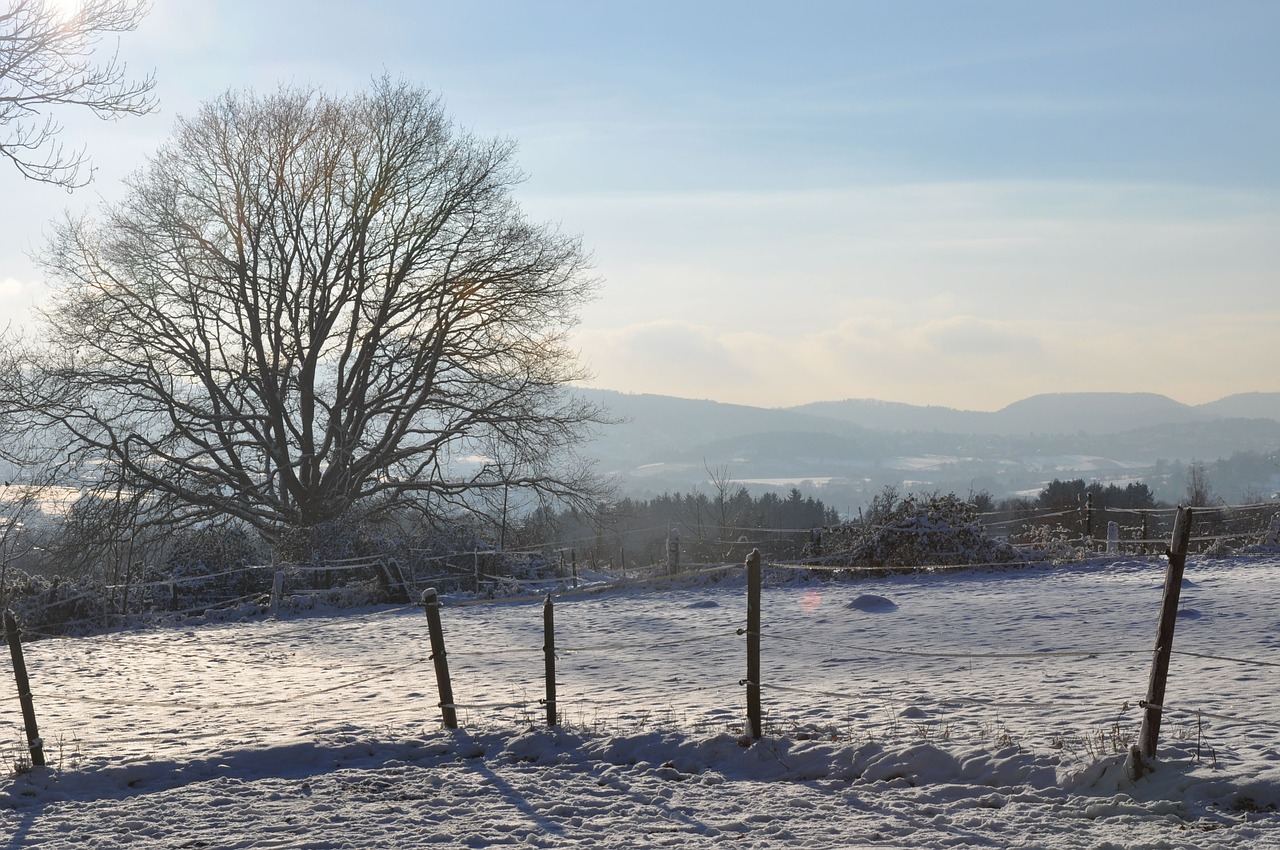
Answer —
(958, 360)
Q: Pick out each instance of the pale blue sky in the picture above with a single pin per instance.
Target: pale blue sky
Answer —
(959, 203)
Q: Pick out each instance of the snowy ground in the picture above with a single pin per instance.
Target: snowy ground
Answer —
(987, 709)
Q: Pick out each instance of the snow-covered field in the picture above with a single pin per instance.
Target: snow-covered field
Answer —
(975, 709)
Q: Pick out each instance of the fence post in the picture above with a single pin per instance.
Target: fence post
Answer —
(24, 689)
(402, 581)
(753, 646)
(573, 557)
(1273, 533)
(549, 650)
(1153, 705)
(448, 711)
(277, 591)
(1088, 517)
(673, 550)
(1113, 538)
(475, 568)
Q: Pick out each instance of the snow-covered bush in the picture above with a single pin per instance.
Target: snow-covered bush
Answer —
(208, 565)
(1053, 543)
(54, 605)
(915, 531)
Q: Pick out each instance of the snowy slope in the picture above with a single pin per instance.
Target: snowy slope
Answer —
(984, 709)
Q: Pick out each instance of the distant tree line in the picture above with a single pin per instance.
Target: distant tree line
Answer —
(710, 526)
(1058, 494)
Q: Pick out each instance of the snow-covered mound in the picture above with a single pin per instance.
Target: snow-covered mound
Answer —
(873, 604)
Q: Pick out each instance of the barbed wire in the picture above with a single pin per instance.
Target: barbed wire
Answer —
(490, 706)
(375, 673)
(1198, 712)
(804, 564)
(690, 573)
(607, 647)
(1028, 704)
(885, 650)
(569, 649)
(292, 698)
(308, 625)
(560, 546)
(188, 579)
(1250, 661)
(88, 594)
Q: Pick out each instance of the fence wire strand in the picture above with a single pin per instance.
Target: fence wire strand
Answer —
(885, 650)
(292, 698)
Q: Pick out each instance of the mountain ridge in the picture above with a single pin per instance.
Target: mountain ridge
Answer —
(1050, 413)
(667, 443)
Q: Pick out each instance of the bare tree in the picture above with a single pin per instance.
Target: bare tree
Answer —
(29, 465)
(309, 304)
(47, 62)
(18, 502)
(723, 492)
(1199, 492)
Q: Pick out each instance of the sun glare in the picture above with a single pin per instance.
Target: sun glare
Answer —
(65, 9)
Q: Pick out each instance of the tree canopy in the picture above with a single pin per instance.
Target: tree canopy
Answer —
(46, 63)
(308, 303)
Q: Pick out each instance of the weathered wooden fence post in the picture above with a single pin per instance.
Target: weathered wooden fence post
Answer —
(754, 724)
(1113, 538)
(1273, 533)
(673, 550)
(1153, 705)
(24, 689)
(406, 579)
(573, 557)
(448, 711)
(277, 591)
(549, 650)
(1088, 517)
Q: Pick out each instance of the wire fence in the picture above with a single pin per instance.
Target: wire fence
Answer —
(48, 607)
(692, 673)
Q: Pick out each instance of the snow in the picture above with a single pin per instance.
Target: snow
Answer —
(960, 709)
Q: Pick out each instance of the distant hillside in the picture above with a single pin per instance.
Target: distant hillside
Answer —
(655, 429)
(896, 416)
(1092, 413)
(700, 420)
(1050, 413)
(1245, 406)
(665, 444)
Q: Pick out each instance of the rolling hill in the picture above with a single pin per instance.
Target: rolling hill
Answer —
(660, 443)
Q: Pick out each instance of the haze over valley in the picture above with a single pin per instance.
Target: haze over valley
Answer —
(845, 451)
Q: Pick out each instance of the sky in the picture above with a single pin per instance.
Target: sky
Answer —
(952, 203)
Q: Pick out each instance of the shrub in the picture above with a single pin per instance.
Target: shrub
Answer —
(54, 605)
(915, 531)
